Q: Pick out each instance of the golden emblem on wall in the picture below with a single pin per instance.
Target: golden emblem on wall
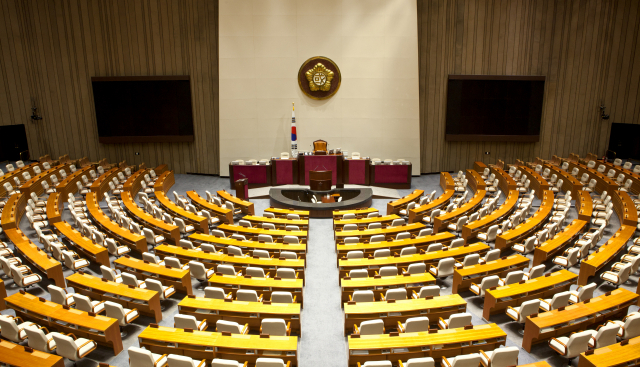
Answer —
(319, 77)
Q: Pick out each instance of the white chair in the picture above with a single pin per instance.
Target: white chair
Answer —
(124, 315)
(282, 297)
(151, 238)
(629, 326)
(86, 304)
(604, 335)
(524, 248)
(582, 293)
(23, 280)
(414, 325)
(468, 360)
(218, 362)
(511, 278)
(38, 340)
(569, 260)
(571, 346)
(457, 227)
(457, 320)
(270, 362)
(500, 357)
(534, 272)
(201, 273)
(490, 256)
(394, 294)
(216, 293)
(444, 269)
(139, 357)
(371, 327)
(490, 234)
(469, 260)
(164, 291)
(487, 282)
(559, 300)
(73, 348)
(231, 327)
(277, 327)
(12, 330)
(427, 291)
(617, 277)
(189, 322)
(114, 249)
(60, 296)
(519, 314)
(248, 295)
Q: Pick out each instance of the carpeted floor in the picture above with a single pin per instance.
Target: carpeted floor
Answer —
(323, 343)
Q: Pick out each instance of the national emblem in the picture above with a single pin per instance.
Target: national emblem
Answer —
(319, 78)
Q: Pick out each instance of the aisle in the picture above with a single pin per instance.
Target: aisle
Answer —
(322, 342)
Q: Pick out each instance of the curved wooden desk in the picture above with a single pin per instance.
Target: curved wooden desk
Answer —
(178, 278)
(364, 222)
(416, 214)
(253, 233)
(470, 230)
(15, 355)
(532, 224)
(463, 277)
(82, 244)
(421, 243)
(101, 184)
(605, 253)
(264, 286)
(389, 232)
(169, 231)
(133, 241)
(560, 242)
(359, 213)
(393, 207)
(35, 183)
(223, 242)
(251, 313)
(246, 206)
(279, 223)
(225, 215)
(613, 355)
(440, 223)
(401, 310)
(201, 224)
(505, 182)
(412, 282)
(278, 212)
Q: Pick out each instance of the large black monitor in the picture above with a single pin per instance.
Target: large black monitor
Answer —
(494, 108)
(143, 109)
(624, 140)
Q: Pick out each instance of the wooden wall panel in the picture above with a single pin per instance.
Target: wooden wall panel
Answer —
(585, 48)
(49, 50)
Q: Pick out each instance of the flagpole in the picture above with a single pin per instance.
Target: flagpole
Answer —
(294, 134)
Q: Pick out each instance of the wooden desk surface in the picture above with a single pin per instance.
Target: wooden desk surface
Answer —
(578, 310)
(201, 223)
(568, 181)
(413, 227)
(170, 231)
(612, 355)
(282, 221)
(584, 203)
(365, 220)
(387, 281)
(241, 306)
(605, 253)
(101, 184)
(257, 231)
(602, 181)
(13, 211)
(523, 229)
(408, 340)
(121, 289)
(537, 182)
(512, 260)
(15, 355)
(198, 201)
(475, 180)
(94, 251)
(394, 206)
(404, 305)
(298, 264)
(498, 300)
(257, 282)
(246, 206)
(131, 262)
(446, 181)
(133, 184)
(228, 241)
(134, 241)
(337, 214)
(561, 240)
(470, 230)
(53, 208)
(442, 237)
(533, 285)
(466, 208)
(427, 257)
(213, 339)
(55, 311)
(416, 214)
(625, 208)
(35, 183)
(45, 263)
(279, 212)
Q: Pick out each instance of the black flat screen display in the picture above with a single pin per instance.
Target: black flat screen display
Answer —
(494, 108)
(143, 109)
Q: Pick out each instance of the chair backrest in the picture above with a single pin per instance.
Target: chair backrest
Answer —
(430, 290)
(419, 268)
(175, 360)
(274, 327)
(372, 327)
(536, 271)
(420, 362)
(129, 279)
(234, 250)
(247, 295)
(377, 238)
(214, 293)
(445, 266)
(514, 277)
(269, 362)
(229, 327)
(434, 247)
(459, 320)
(108, 273)
(505, 356)
(586, 292)
(58, 295)
(36, 338)
(358, 273)
(198, 270)
(286, 273)
(217, 362)
(425, 232)
(363, 296)
(355, 255)
(154, 285)
(349, 216)
(66, 346)
(226, 269)
(398, 223)
(578, 343)
(172, 262)
(289, 255)
(397, 294)
(9, 329)
(631, 326)
(281, 297)
(265, 238)
(382, 253)
(416, 324)
(254, 272)
(488, 282)
(185, 322)
(459, 242)
(115, 311)
(559, 300)
(606, 335)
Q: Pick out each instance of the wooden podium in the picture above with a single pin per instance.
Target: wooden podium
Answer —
(320, 180)
(242, 188)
